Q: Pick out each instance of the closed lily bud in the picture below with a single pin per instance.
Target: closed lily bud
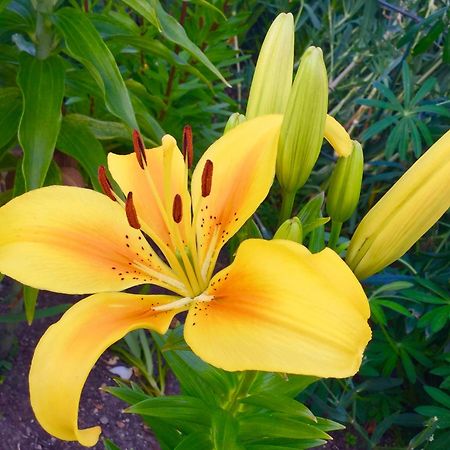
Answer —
(303, 125)
(272, 81)
(234, 120)
(345, 185)
(406, 212)
(290, 230)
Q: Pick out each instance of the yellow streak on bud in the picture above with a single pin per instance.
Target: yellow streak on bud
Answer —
(407, 211)
(337, 137)
(272, 81)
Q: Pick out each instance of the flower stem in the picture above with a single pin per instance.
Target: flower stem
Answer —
(241, 391)
(334, 235)
(287, 205)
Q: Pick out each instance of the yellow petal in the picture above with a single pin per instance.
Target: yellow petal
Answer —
(337, 137)
(67, 351)
(280, 308)
(243, 167)
(73, 240)
(166, 171)
(406, 212)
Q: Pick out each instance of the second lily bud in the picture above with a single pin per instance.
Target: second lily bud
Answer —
(303, 125)
(345, 185)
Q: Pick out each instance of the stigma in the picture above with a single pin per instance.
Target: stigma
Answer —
(180, 303)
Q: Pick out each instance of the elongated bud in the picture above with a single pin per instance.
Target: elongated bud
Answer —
(105, 183)
(407, 211)
(303, 123)
(188, 146)
(177, 209)
(290, 230)
(207, 178)
(130, 211)
(345, 185)
(234, 120)
(139, 149)
(272, 81)
(337, 137)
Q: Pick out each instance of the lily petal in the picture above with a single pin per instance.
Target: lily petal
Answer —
(67, 351)
(243, 168)
(166, 171)
(74, 241)
(280, 308)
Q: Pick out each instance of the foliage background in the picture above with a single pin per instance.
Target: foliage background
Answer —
(97, 69)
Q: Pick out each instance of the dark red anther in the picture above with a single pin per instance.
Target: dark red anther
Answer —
(207, 178)
(139, 149)
(131, 212)
(177, 209)
(105, 183)
(188, 146)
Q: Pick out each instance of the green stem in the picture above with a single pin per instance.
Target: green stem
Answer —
(241, 391)
(334, 234)
(287, 205)
(44, 37)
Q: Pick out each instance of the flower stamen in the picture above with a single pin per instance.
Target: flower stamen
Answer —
(139, 149)
(177, 209)
(207, 178)
(188, 146)
(105, 183)
(130, 210)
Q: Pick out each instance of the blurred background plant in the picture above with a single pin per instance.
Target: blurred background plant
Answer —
(96, 70)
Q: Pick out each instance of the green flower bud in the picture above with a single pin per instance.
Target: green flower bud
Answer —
(234, 120)
(345, 185)
(303, 125)
(272, 81)
(290, 230)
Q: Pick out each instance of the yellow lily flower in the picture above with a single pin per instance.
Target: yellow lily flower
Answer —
(404, 214)
(277, 307)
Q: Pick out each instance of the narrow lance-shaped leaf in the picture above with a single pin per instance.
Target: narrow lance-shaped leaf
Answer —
(10, 109)
(42, 86)
(85, 44)
(172, 30)
(76, 140)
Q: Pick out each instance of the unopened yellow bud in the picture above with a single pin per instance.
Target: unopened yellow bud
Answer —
(234, 120)
(345, 185)
(304, 122)
(412, 206)
(337, 137)
(272, 81)
(290, 230)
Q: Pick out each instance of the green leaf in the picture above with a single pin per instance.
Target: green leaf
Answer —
(279, 403)
(378, 127)
(310, 215)
(388, 94)
(438, 395)
(77, 140)
(408, 365)
(10, 111)
(101, 129)
(433, 109)
(196, 441)
(406, 78)
(260, 427)
(109, 445)
(172, 30)
(42, 86)
(394, 306)
(425, 42)
(181, 408)
(85, 44)
(39, 314)
(224, 430)
(424, 90)
(29, 301)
